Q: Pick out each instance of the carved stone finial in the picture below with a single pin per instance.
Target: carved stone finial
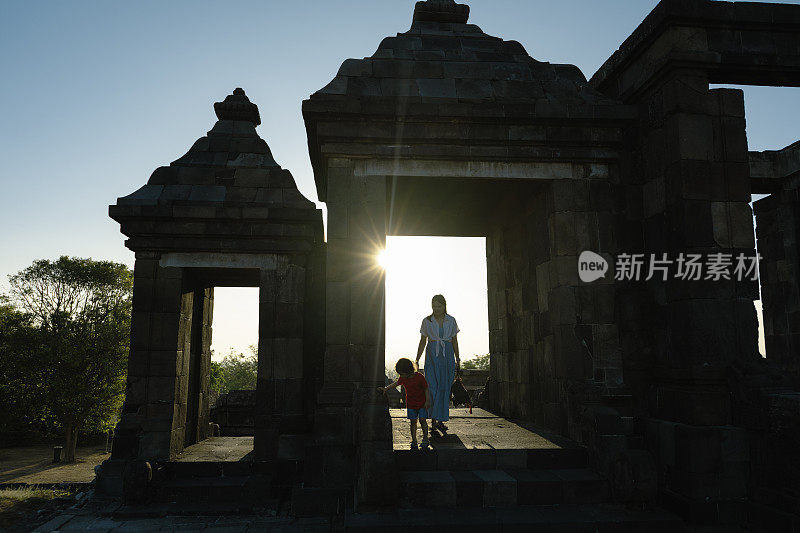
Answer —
(441, 11)
(237, 106)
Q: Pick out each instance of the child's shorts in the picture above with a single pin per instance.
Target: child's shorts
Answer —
(414, 414)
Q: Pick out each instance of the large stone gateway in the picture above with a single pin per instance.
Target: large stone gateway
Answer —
(447, 131)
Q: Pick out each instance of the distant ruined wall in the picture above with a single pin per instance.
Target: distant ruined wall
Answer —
(778, 231)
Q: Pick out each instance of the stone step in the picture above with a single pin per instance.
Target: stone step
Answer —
(208, 469)
(456, 459)
(247, 489)
(289, 468)
(245, 482)
(567, 517)
(501, 488)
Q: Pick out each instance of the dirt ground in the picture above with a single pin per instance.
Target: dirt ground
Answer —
(34, 464)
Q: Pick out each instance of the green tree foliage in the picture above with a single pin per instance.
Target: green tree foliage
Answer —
(236, 371)
(215, 376)
(64, 345)
(21, 396)
(479, 362)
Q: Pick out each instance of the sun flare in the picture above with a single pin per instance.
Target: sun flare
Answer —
(383, 259)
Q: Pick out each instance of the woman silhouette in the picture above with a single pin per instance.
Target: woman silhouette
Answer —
(441, 359)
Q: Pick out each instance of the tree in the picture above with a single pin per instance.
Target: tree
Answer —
(236, 371)
(79, 311)
(20, 393)
(479, 362)
(215, 376)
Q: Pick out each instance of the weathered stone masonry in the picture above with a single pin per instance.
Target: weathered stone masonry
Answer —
(447, 131)
(224, 214)
(688, 182)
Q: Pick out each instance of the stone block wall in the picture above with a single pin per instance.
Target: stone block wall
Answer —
(687, 183)
(553, 338)
(703, 463)
(687, 187)
(693, 189)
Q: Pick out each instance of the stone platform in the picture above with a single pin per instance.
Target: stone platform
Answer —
(480, 430)
(229, 449)
(218, 449)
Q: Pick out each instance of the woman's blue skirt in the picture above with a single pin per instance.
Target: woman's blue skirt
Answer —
(440, 373)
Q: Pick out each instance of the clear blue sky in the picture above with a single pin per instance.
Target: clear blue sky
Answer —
(96, 95)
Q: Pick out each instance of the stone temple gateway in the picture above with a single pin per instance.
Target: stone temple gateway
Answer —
(658, 383)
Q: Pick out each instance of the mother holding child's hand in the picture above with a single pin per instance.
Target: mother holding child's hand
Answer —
(441, 360)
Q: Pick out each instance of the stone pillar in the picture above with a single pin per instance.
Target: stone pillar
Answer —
(777, 219)
(354, 353)
(158, 365)
(355, 329)
(199, 367)
(695, 196)
(279, 388)
(696, 200)
(498, 318)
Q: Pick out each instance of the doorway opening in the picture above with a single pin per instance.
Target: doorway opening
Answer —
(232, 376)
(418, 268)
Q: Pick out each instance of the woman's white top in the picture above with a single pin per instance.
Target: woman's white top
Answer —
(430, 328)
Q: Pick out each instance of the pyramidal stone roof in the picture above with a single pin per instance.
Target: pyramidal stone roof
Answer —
(225, 183)
(443, 57)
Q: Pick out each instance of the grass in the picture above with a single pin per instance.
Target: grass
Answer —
(19, 507)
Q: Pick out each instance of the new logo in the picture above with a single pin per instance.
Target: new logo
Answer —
(591, 266)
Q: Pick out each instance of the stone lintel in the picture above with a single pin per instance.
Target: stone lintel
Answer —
(429, 109)
(478, 169)
(212, 260)
(218, 245)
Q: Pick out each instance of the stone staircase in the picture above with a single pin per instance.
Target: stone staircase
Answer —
(528, 487)
(497, 478)
(245, 483)
(232, 486)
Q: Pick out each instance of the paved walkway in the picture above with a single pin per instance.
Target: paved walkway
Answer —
(478, 430)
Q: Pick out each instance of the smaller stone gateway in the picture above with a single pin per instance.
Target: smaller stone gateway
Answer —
(224, 214)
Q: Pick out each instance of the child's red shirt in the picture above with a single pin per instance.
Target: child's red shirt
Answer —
(415, 390)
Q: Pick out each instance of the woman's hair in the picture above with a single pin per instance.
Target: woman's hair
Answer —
(438, 298)
(404, 366)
